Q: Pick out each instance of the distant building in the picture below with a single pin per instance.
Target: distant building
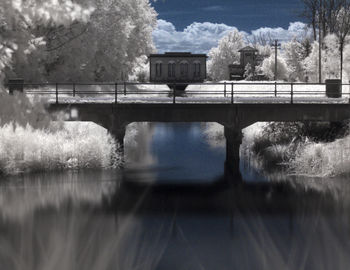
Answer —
(178, 67)
(248, 55)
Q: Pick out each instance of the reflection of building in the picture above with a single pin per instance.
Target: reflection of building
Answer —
(250, 56)
(178, 67)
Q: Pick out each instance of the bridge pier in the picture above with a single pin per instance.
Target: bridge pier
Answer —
(119, 135)
(233, 137)
(118, 129)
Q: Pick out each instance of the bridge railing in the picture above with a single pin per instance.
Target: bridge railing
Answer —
(210, 92)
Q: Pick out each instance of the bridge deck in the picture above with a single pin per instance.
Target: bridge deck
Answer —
(239, 115)
(198, 100)
(224, 92)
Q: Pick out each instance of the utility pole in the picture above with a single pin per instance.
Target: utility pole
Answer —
(276, 45)
(320, 44)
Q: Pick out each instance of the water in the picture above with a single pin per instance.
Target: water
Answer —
(170, 208)
(174, 153)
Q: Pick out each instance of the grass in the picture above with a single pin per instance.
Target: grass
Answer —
(74, 146)
(322, 159)
(305, 157)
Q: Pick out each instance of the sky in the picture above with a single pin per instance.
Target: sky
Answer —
(197, 25)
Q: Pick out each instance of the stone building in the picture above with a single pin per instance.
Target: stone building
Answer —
(182, 67)
(248, 55)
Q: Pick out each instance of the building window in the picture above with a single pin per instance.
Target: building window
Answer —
(197, 69)
(171, 70)
(158, 69)
(184, 69)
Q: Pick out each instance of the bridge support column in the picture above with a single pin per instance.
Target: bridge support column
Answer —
(233, 137)
(119, 135)
(117, 130)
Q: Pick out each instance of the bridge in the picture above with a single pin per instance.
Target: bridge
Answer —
(233, 105)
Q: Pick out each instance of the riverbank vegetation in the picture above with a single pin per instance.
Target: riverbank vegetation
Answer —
(312, 149)
(60, 146)
(317, 149)
(38, 40)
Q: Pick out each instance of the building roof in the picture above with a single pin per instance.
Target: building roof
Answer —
(248, 49)
(177, 54)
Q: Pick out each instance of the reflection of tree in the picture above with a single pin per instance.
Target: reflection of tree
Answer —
(59, 222)
(81, 239)
(240, 226)
(138, 144)
(248, 225)
(214, 134)
(17, 201)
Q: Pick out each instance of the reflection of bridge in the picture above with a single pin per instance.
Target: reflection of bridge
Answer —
(226, 103)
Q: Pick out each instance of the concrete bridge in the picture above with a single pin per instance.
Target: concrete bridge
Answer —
(235, 105)
(234, 117)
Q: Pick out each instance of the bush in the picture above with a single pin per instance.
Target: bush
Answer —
(299, 146)
(260, 144)
(286, 132)
(78, 145)
(268, 68)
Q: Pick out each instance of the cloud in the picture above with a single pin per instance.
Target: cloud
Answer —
(196, 38)
(201, 37)
(213, 8)
(295, 29)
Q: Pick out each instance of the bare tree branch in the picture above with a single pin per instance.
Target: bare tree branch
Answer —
(61, 36)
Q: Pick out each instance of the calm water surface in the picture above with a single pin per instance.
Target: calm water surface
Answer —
(171, 208)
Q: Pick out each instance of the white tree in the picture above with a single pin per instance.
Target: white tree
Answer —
(311, 63)
(293, 53)
(342, 30)
(224, 54)
(330, 62)
(141, 70)
(118, 33)
(263, 50)
(17, 18)
(249, 72)
(268, 68)
(347, 60)
(331, 57)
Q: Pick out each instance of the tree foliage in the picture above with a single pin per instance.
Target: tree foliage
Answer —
(18, 19)
(347, 59)
(118, 33)
(330, 60)
(294, 54)
(224, 54)
(330, 17)
(102, 47)
(268, 68)
(323, 14)
(342, 30)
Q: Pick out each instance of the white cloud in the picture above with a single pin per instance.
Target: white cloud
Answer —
(201, 37)
(197, 37)
(295, 29)
(213, 8)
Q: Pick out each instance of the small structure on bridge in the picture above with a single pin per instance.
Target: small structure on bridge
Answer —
(178, 67)
(248, 55)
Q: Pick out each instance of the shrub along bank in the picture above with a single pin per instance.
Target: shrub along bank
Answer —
(314, 149)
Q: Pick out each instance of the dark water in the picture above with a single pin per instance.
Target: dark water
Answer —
(171, 208)
(174, 153)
